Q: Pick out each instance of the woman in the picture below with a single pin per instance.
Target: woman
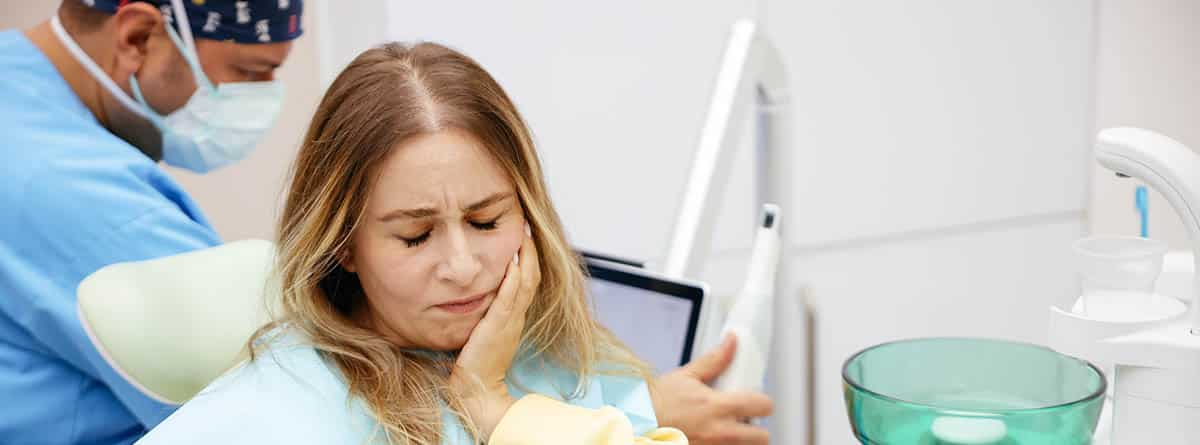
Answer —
(431, 296)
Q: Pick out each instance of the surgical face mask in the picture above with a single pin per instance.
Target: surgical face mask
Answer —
(219, 124)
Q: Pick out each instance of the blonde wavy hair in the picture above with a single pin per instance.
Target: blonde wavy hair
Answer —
(386, 96)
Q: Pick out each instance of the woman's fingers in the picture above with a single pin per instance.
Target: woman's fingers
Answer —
(743, 404)
(510, 286)
(531, 274)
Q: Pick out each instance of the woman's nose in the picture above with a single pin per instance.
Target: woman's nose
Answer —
(460, 266)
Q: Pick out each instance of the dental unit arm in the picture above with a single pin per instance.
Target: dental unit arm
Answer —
(1167, 166)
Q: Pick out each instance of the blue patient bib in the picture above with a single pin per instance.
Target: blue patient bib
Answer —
(292, 395)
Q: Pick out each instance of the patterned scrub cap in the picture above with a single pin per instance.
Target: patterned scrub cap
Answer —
(242, 21)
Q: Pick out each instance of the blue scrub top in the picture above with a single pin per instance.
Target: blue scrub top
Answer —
(74, 198)
(291, 394)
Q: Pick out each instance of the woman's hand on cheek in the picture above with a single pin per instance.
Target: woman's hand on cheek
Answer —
(478, 376)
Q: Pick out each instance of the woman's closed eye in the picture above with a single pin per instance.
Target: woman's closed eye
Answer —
(415, 241)
(485, 226)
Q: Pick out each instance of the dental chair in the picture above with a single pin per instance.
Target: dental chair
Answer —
(172, 325)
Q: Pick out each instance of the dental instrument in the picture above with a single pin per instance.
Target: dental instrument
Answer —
(750, 317)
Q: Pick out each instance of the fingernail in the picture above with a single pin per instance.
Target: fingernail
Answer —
(528, 232)
(516, 258)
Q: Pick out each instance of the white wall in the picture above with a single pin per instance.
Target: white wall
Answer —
(1148, 76)
(358, 27)
(25, 14)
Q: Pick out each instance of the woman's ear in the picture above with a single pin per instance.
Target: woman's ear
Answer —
(135, 23)
(346, 259)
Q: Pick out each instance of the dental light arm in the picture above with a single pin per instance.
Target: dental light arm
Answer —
(751, 71)
(751, 81)
(1169, 167)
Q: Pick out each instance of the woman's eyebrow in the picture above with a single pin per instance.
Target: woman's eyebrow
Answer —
(425, 212)
(485, 202)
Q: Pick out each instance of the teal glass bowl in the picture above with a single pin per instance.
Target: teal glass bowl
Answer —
(970, 391)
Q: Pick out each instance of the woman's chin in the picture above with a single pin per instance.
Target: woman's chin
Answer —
(452, 341)
(447, 346)
(444, 334)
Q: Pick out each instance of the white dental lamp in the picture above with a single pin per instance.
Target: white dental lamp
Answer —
(1154, 347)
(751, 79)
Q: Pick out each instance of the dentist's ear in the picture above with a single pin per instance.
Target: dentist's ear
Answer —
(133, 25)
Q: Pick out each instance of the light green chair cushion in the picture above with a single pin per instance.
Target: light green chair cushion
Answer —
(172, 325)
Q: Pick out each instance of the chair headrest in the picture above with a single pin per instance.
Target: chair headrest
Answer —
(172, 325)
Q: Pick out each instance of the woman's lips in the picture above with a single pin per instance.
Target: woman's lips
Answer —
(464, 306)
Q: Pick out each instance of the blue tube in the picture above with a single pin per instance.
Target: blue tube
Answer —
(1141, 200)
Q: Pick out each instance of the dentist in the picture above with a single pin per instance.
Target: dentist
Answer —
(90, 101)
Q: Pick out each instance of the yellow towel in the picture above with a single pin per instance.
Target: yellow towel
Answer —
(539, 420)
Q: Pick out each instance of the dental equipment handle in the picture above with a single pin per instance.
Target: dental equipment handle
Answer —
(1169, 167)
(751, 317)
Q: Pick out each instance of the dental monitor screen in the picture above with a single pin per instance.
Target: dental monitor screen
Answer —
(654, 316)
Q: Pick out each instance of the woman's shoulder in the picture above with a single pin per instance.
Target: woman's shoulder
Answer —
(287, 394)
(285, 365)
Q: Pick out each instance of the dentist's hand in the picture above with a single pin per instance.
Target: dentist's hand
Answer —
(478, 376)
(684, 400)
